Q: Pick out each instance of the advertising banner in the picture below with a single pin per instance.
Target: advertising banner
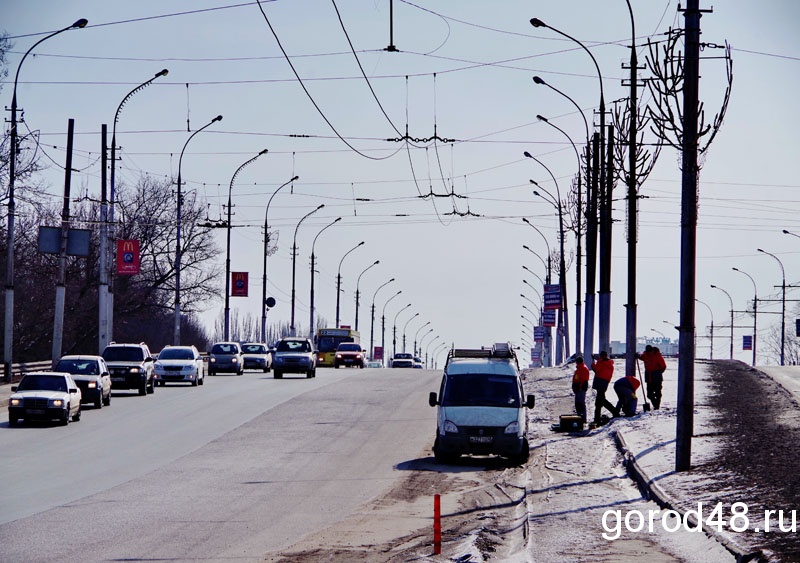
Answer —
(238, 284)
(747, 342)
(549, 318)
(552, 297)
(128, 257)
(538, 334)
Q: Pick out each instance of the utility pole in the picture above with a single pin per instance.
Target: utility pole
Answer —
(102, 293)
(58, 320)
(604, 306)
(591, 246)
(689, 174)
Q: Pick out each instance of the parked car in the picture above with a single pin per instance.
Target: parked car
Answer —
(349, 354)
(45, 396)
(131, 367)
(91, 375)
(481, 406)
(225, 357)
(179, 364)
(294, 355)
(403, 360)
(256, 356)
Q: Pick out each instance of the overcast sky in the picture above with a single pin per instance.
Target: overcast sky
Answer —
(462, 70)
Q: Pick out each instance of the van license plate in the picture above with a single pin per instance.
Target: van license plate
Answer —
(481, 439)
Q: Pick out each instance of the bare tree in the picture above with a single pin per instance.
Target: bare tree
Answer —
(665, 112)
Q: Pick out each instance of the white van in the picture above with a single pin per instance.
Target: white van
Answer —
(481, 406)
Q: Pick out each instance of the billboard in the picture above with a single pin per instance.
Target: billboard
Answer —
(552, 296)
(549, 318)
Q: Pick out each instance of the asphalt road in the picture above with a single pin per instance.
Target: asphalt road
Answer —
(231, 470)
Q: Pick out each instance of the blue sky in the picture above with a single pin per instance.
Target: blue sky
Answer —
(463, 70)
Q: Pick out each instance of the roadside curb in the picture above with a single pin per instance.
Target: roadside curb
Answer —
(664, 500)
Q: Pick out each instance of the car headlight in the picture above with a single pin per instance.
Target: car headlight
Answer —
(56, 403)
(338, 356)
(15, 402)
(512, 428)
(234, 360)
(212, 360)
(92, 385)
(158, 365)
(135, 370)
(359, 356)
(450, 427)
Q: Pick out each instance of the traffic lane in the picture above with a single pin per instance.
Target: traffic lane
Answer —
(294, 470)
(46, 465)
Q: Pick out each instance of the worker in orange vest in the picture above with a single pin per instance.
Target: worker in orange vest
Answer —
(625, 388)
(580, 384)
(603, 368)
(654, 366)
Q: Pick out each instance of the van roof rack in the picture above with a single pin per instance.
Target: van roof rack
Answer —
(498, 350)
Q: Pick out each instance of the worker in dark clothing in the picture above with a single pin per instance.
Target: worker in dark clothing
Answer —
(603, 368)
(654, 366)
(580, 384)
(625, 388)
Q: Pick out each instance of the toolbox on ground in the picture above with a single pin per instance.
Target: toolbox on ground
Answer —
(568, 423)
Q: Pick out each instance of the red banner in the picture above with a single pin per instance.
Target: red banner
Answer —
(238, 284)
(127, 257)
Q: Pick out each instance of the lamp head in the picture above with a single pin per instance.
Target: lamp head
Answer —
(541, 118)
(538, 80)
(81, 23)
(337, 219)
(525, 220)
(536, 22)
(218, 118)
(295, 178)
(360, 243)
(376, 262)
(786, 232)
(320, 206)
(713, 286)
(265, 151)
(536, 193)
(526, 154)
(162, 72)
(525, 246)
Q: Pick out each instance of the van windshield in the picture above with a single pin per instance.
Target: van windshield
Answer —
(481, 390)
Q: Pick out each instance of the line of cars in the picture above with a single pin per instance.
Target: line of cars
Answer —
(85, 379)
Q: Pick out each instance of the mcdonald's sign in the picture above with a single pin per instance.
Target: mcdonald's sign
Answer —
(128, 257)
(238, 284)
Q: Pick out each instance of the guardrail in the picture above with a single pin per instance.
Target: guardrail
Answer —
(18, 370)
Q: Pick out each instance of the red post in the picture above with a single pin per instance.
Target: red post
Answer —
(437, 525)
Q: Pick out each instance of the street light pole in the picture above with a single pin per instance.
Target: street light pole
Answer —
(731, 300)
(383, 326)
(755, 309)
(372, 320)
(176, 339)
(228, 248)
(311, 297)
(358, 292)
(605, 220)
(105, 295)
(8, 331)
(711, 314)
(783, 305)
(394, 330)
(430, 330)
(292, 329)
(416, 334)
(415, 315)
(339, 279)
(264, 306)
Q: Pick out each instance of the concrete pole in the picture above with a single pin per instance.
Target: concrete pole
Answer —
(58, 320)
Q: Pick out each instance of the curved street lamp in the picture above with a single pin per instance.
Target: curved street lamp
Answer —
(311, 308)
(434, 339)
(292, 329)
(783, 305)
(358, 292)
(731, 300)
(178, 252)
(264, 306)
(416, 334)
(228, 248)
(105, 290)
(372, 320)
(8, 331)
(339, 279)
(394, 329)
(547, 245)
(415, 315)
(534, 274)
(711, 314)
(539, 295)
(383, 326)
(755, 309)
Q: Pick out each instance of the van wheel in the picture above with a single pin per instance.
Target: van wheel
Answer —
(277, 374)
(440, 457)
(522, 457)
(98, 403)
(107, 399)
(77, 416)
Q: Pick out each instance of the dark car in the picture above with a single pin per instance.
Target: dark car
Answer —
(349, 354)
(131, 367)
(225, 357)
(92, 377)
